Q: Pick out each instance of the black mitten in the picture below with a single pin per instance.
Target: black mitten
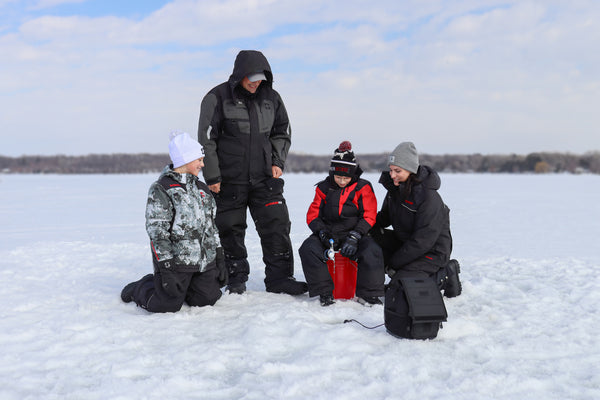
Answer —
(350, 246)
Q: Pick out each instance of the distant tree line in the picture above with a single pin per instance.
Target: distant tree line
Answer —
(89, 164)
(152, 163)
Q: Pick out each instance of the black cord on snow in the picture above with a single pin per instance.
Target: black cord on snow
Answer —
(364, 326)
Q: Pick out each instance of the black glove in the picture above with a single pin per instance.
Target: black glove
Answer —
(170, 282)
(223, 275)
(325, 236)
(350, 246)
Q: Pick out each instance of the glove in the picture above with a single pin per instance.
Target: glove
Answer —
(325, 236)
(170, 283)
(223, 275)
(390, 271)
(350, 246)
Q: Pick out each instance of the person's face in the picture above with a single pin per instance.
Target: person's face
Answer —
(398, 174)
(250, 86)
(194, 167)
(342, 181)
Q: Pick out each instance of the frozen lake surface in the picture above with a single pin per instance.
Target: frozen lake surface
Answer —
(526, 325)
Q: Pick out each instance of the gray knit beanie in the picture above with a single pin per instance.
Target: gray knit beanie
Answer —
(405, 156)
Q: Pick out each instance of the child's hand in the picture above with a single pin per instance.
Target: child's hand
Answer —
(350, 246)
(325, 236)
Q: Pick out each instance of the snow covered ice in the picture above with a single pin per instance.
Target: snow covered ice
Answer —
(525, 327)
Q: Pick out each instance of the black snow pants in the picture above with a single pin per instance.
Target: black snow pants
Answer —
(389, 244)
(197, 289)
(270, 214)
(419, 268)
(369, 279)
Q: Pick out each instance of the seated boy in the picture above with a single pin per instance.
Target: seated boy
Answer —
(344, 209)
(186, 251)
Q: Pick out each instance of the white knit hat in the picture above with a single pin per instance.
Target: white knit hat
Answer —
(183, 149)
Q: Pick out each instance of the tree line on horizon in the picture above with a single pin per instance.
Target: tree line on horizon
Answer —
(541, 162)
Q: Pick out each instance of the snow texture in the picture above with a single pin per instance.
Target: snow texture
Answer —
(525, 327)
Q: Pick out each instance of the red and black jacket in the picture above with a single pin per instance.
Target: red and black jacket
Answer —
(341, 210)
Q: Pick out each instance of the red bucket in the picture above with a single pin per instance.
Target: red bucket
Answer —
(343, 272)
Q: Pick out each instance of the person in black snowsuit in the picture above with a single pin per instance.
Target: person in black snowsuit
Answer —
(246, 134)
(419, 243)
(189, 264)
(344, 210)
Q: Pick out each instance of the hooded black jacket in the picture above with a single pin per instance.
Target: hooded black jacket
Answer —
(421, 221)
(243, 134)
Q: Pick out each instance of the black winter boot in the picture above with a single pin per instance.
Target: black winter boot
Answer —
(289, 286)
(453, 286)
(237, 288)
(369, 301)
(326, 300)
(127, 292)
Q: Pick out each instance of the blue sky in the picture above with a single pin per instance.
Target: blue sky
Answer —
(463, 76)
(29, 9)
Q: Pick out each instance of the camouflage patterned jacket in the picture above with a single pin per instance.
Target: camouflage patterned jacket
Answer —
(180, 221)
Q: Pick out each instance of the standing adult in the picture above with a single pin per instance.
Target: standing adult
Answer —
(343, 210)
(246, 134)
(420, 243)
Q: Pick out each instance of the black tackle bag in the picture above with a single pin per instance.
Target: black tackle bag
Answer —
(414, 308)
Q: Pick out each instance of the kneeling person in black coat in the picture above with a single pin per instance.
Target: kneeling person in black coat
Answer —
(419, 243)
